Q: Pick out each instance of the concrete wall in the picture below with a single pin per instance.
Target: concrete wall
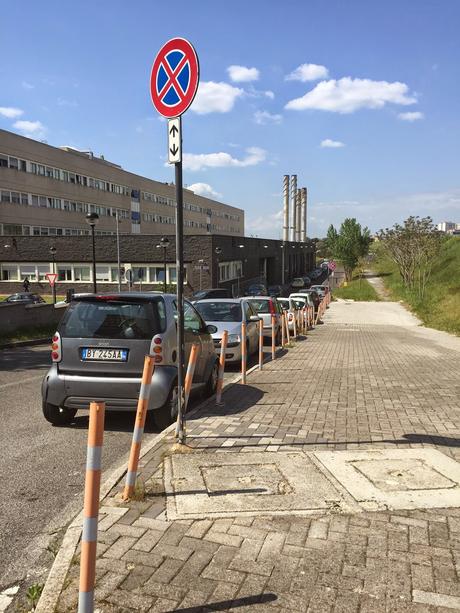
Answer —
(15, 316)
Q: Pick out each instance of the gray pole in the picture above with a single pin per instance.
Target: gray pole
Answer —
(293, 205)
(180, 431)
(94, 260)
(118, 250)
(303, 215)
(286, 208)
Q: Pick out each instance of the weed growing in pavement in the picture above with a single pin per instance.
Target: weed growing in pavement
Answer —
(139, 490)
(33, 594)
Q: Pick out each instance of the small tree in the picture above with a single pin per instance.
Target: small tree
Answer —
(349, 244)
(413, 247)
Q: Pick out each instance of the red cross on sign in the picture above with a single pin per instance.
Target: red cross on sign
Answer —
(174, 78)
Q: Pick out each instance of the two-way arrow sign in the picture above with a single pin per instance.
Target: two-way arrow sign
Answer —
(174, 141)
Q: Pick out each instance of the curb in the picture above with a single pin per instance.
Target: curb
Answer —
(58, 572)
(31, 343)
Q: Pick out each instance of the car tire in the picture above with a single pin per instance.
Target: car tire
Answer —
(167, 413)
(58, 416)
(210, 387)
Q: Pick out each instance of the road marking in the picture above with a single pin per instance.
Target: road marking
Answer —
(36, 378)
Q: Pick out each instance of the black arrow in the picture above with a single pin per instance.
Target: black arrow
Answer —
(174, 130)
(174, 149)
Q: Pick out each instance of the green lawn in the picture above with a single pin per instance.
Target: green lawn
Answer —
(440, 308)
(26, 334)
(358, 289)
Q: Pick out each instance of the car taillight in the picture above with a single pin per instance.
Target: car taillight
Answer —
(271, 306)
(156, 347)
(56, 349)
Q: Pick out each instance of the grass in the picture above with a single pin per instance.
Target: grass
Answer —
(27, 334)
(357, 289)
(46, 297)
(440, 309)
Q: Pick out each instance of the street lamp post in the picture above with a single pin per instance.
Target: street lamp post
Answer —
(92, 219)
(118, 249)
(164, 244)
(53, 255)
(240, 271)
(218, 251)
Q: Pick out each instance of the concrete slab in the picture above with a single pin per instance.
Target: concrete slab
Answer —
(396, 479)
(237, 484)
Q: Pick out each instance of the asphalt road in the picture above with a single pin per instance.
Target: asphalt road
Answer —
(42, 467)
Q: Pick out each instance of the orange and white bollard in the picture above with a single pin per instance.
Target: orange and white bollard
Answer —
(261, 344)
(243, 352)
(142, 406)
(286, 320)
(283, 332)
(192, 360)
(294, 321)
(91, 507)
(220, 378)
(273, 337)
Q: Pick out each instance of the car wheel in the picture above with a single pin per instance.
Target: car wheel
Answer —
(58, 416)
(211, 384)
(166, 414)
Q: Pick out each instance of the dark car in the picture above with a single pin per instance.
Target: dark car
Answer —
(307, 281)
(275, 290)
(314, 295)
(206, 294)
(256, 289)
(25, 298)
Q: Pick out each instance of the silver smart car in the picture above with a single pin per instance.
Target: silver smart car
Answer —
(99, 348)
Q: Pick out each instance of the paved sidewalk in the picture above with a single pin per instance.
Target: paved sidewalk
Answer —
(348, 386)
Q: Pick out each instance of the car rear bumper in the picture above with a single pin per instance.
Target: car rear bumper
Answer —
(119, 393)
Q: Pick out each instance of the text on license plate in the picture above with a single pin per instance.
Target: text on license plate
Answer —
(93, 353)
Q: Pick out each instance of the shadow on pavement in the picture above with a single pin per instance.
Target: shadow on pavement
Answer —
(225, 605)
(233, 403)
(24, 358)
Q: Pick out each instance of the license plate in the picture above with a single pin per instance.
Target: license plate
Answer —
(104, 355)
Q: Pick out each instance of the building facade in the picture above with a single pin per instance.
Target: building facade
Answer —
(210, 261)
(47, 191)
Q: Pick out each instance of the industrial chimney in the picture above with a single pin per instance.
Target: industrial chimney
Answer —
(303, 216)
(286, 208)
(293, 206)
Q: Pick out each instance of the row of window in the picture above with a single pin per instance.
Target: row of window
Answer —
(230, 270)
(10, 229)
(48, 202)
(8, 161)
(187, 206)
(82, 273)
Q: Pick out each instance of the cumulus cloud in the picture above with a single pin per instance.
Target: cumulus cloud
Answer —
(269, 225)
(264, 117)
(215, 97)
(332, 144)
(269, 94)
(348, 95)
(242, 74)
(199, 161)
(308, 72)
(204, 189)
(414, 116)
(34, 129)
(10, 111)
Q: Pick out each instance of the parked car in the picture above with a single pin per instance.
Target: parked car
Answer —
(314, 296)
(307, 281)
(203, 294)
(297, 283)
(291, 305)
(275, 290)
(25, 298)
(228, 314)
(99, 348)
(256, 289)
(322, 290)
(265, 307)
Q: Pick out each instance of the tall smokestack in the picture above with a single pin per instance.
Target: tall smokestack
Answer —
(298, 202)
(303, 215)
(286, 208)
(306, 213)
(293, 206)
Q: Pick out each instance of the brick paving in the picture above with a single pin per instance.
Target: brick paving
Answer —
(344, 387)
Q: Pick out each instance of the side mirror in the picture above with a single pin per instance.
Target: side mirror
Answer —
(254, 318)
(210, 329)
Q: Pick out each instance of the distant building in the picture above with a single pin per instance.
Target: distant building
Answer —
(47, 191)
(448, 226)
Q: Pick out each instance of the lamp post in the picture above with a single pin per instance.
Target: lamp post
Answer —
(53, 255)
(164, 244)
(240, 271)
(201, 263)
(92, 219)
(218, 251)
(117, 218)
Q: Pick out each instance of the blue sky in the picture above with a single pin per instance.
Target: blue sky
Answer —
(359, 98)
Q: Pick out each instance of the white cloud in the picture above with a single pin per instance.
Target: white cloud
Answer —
(27, 85)
(199, 161)
(332, 144)
(348, 95)
(269, 225)
(10, 111)
(242, 74)
(68, 103)
(30, 128)
(215, 98)
(264, 117)
(414, 116)
(204, 189)
(308, 72)
(269, 94)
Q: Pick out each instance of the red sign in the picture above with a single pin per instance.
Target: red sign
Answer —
(51, 276)
(332, 265)
(174, 77)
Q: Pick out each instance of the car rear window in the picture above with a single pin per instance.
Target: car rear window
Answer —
(121, 319)
(260, 306)
(219, 311)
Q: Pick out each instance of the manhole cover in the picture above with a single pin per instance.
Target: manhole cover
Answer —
(396, 479)
(230, 484)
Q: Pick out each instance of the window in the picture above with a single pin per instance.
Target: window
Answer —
(64, 273)
(42, 270)
(27, 270)
(139, 274)
(5, 196)
(156, 275)
(102, 273)
(192, 321)
(81, 273)
(3, 161)
(14, 163)
(9, 272)
(15, 198)
(114, 274)
(24, 199)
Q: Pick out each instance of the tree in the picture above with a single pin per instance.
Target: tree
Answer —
(349, 244)
(413, 247)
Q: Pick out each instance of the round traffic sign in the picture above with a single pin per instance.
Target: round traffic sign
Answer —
(174, 77)
(332, 265)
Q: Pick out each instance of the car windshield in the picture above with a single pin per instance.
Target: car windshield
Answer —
(200, 294)
(220, 311)
(113, 319)
(260, 306)
(299, 304)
